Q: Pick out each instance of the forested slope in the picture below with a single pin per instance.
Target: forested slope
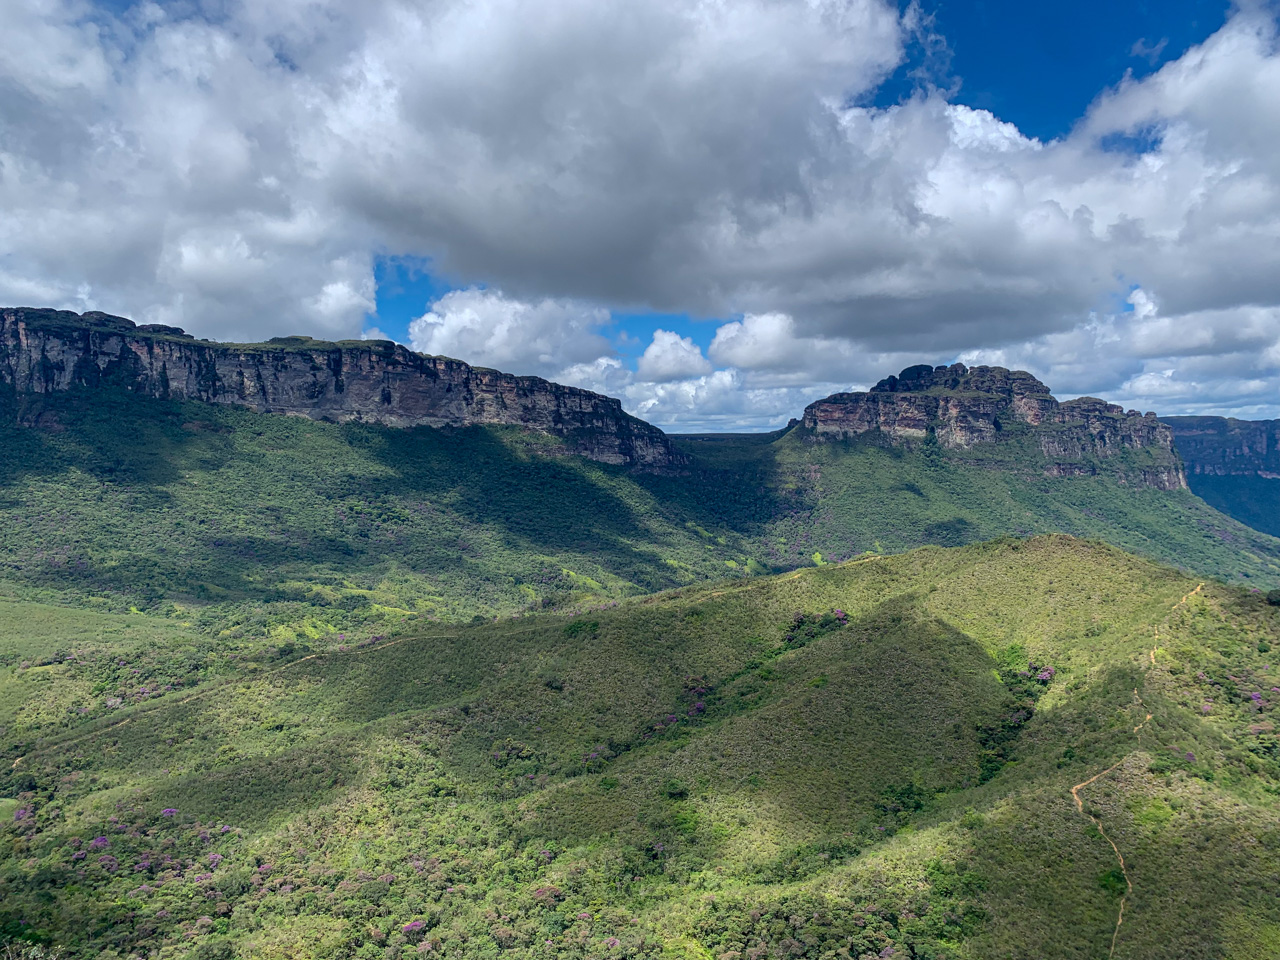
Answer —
(868, 759)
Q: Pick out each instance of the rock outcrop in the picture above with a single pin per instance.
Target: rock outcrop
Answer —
(963, 408)
(1222, 446)
(45, 351)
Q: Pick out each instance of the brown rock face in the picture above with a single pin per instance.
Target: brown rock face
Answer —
(964, 407)
(44, 351)
(1221, 446)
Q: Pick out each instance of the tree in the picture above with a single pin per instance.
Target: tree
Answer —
(1273, 598)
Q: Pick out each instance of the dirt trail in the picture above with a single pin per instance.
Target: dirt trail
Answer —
(1075, 791)
(1124, 870)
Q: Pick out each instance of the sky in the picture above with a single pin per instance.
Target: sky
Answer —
(716, 210)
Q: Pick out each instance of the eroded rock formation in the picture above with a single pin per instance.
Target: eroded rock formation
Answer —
(1222, 446)
(44, 351)
(964, 407)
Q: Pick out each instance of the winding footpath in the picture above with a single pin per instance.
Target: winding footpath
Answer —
(1075, 791)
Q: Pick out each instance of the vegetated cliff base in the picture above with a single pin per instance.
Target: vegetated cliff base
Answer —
(1234, 465)
(965, 408)
(1225, 446)
(45, 351)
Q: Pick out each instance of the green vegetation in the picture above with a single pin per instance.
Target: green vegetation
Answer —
(842, 499)
(1251, 499)
(253, 527)
(867, 759)
(277, 688)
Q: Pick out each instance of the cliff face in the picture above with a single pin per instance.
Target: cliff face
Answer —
(1219, 446)
(964, 408)
(44, 351)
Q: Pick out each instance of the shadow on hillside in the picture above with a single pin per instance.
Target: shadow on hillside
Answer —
(848, 736)
(539, 500)
(734, 482)
(107, 434)
(255, 492)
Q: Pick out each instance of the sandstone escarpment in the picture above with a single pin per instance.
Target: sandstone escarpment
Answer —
(1222, 446)
(965, 408)
(46, 351)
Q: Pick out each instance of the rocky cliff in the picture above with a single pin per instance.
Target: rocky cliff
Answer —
(968, 408)
(1219, 446)
(43, 351)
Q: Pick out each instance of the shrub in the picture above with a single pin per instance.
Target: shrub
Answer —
(1273, 598)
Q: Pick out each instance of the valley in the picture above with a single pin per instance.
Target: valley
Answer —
(945, 669)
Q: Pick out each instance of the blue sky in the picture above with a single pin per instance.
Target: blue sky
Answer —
(1036, 65)
(715, 211)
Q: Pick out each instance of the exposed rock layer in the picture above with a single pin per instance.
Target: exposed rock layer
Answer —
(1222, 446)
(964, 407)
(44, 351)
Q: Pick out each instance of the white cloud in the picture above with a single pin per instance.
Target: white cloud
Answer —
(768, 345)
(671, 357)
(676, 387)
(487, 328)
(1213, 361)
(235, 172)
(720, 400)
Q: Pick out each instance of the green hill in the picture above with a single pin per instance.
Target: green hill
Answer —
(279, 687)
(282, 529)
(869, 759)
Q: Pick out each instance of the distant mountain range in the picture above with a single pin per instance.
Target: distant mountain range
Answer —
(47, 351)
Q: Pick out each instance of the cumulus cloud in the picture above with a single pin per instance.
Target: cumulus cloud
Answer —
(769, 345)
(671, 357)
(235, 169)
(718, 400)
(490, 329)
(1213, 361)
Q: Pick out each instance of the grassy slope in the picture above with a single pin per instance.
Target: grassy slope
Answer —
(677, 775)
(1252, 500)
(250, 526)
(840, 499)
(347, 524)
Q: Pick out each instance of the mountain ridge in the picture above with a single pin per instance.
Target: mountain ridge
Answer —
(1234, 465)
(1226, 446)
(963, 407)
(47, 351)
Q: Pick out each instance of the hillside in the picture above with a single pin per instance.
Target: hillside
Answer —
(874, 759)
(244, 523)
(291, 531)
(1234, 465)
(406, 486)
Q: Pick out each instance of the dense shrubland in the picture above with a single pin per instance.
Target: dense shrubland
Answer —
(872, 759)
(277, 529)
